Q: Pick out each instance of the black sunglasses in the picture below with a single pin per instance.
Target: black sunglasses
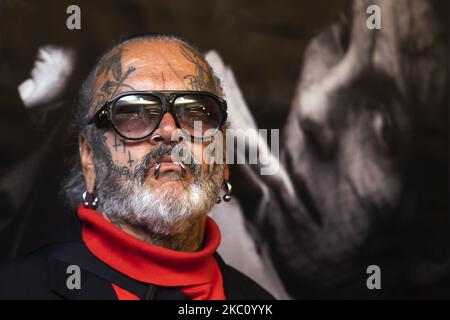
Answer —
(135, 115)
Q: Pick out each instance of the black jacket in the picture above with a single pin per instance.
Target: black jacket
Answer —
(43, 275)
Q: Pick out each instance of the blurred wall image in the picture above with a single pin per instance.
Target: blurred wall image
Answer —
(362, 115)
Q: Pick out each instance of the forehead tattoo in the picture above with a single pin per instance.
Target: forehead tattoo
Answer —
(202, 79)
(111, 69)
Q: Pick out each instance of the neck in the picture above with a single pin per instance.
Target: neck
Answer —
(189, 239)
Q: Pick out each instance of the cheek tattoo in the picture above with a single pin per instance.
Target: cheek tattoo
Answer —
(103, 152)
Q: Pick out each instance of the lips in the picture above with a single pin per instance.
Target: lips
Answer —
(165, 164)
(161, 160)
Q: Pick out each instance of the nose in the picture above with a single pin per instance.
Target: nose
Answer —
(315, 114)
(167, 131)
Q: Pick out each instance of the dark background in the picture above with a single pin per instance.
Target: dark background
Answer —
(262, 41)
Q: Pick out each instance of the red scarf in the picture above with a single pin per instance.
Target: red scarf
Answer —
(196, 274)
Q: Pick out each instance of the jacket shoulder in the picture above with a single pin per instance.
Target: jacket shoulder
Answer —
(238, 286)
(26, 278)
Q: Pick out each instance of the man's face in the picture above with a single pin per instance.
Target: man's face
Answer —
(125, 169)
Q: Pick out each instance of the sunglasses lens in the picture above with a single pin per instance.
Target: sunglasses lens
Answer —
(200, 115)
(134, 116)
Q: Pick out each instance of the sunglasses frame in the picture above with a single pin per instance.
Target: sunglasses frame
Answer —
(105, 113)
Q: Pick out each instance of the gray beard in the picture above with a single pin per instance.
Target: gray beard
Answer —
(163, 212)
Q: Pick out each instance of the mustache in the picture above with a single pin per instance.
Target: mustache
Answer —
(142, 168)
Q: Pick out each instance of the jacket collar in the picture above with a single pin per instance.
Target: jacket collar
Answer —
(95, 276)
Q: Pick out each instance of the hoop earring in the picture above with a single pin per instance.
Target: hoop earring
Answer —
(157, 138)
(227, 196)
(90, 200)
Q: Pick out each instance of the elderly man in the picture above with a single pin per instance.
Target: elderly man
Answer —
(142, 185)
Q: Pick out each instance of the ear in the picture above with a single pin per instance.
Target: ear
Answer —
(226, 172)
(87, 162)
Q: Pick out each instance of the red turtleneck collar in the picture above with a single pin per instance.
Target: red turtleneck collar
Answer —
(196, 274)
